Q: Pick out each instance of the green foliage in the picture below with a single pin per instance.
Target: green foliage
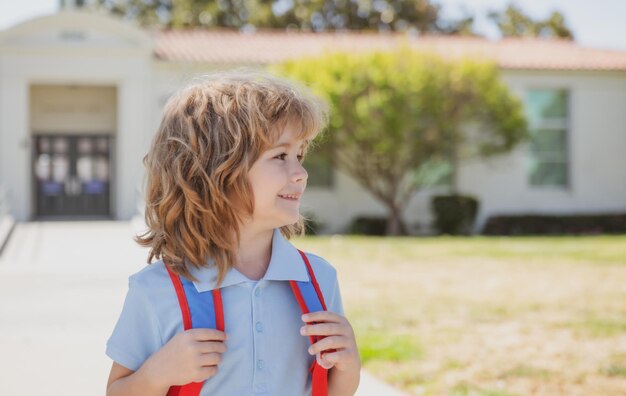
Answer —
(454, 214)
(309, 15)
(367, 225)
(616, 366)
(599, 326)
(376, 345)
(528, 371)
(409, 104)
(324, 15)
(578, 224)
(615, 371)
(512, 22)
(465, 389)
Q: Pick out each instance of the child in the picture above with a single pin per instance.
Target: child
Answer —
(224, 181)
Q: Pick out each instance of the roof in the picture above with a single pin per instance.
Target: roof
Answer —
(264, 47)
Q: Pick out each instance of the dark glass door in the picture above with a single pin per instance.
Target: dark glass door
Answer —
(72, 175)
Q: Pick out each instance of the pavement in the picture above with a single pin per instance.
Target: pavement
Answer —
(62, 285)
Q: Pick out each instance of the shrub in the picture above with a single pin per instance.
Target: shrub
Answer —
(556, 224)
(454, 214)
(368, 225)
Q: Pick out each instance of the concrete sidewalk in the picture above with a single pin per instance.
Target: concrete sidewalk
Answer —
(62, 285)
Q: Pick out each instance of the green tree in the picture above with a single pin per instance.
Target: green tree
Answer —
(152, 13)
(309, 15)
(324, 15)
(189, 13)
(397, 117)
(512, 22)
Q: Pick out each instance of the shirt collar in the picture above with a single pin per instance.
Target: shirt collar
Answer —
(285, 264)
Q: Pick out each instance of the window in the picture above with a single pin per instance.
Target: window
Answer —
(319, 164)
(547, 114)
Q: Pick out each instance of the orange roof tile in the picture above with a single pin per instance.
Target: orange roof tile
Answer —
(263, 47)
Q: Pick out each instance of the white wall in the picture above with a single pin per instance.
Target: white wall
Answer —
(597, 141)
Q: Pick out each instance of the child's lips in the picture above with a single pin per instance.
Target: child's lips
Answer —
(289, 198)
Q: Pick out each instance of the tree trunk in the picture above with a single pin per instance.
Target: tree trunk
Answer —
(454, 163)
(395, 223)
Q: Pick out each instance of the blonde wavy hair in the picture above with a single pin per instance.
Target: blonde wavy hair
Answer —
(196, 187)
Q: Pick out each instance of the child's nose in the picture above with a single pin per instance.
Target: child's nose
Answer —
(300, 173)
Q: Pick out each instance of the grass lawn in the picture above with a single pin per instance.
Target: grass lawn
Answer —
(486, 316)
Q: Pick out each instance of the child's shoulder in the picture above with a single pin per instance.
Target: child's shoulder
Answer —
(321, 266)
(153, 275)
(326, 276)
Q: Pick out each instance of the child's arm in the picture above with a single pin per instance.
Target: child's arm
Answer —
(123, 381)
(190, 356)
(344, 363)
(343, 382)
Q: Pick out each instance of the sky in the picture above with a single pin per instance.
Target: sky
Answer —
(598, 23)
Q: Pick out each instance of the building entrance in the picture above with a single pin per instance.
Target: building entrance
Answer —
(72, 175)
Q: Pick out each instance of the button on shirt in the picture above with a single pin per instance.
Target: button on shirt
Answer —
(266, 355)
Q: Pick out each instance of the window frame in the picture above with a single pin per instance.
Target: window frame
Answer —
(553, 123)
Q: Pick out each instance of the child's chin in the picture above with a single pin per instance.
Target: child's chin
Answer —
(291, 219)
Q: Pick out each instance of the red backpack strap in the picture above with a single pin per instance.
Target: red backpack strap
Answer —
(182, 299)
(202, 318)
(310, 299)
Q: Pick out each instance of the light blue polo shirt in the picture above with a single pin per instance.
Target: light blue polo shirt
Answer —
(266, 355)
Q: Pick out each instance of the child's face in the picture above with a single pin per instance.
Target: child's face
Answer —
(276, 173)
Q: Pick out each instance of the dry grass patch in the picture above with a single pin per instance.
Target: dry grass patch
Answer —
(486, 316)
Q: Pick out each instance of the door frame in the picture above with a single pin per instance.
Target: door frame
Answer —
(112, 179)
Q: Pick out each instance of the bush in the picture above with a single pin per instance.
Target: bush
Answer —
(368, 225)
(454, 214)
(556, 224)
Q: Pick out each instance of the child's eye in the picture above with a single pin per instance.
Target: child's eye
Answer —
(282, 156)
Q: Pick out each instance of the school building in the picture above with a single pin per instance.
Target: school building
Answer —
(81, 96)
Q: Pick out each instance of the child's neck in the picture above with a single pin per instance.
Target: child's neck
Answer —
(254, 252)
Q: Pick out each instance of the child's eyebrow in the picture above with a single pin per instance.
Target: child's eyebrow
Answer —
(288, 144)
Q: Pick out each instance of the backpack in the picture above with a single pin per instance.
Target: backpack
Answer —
(196, 311)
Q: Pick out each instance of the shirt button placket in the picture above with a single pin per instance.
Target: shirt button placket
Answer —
(259, 377)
